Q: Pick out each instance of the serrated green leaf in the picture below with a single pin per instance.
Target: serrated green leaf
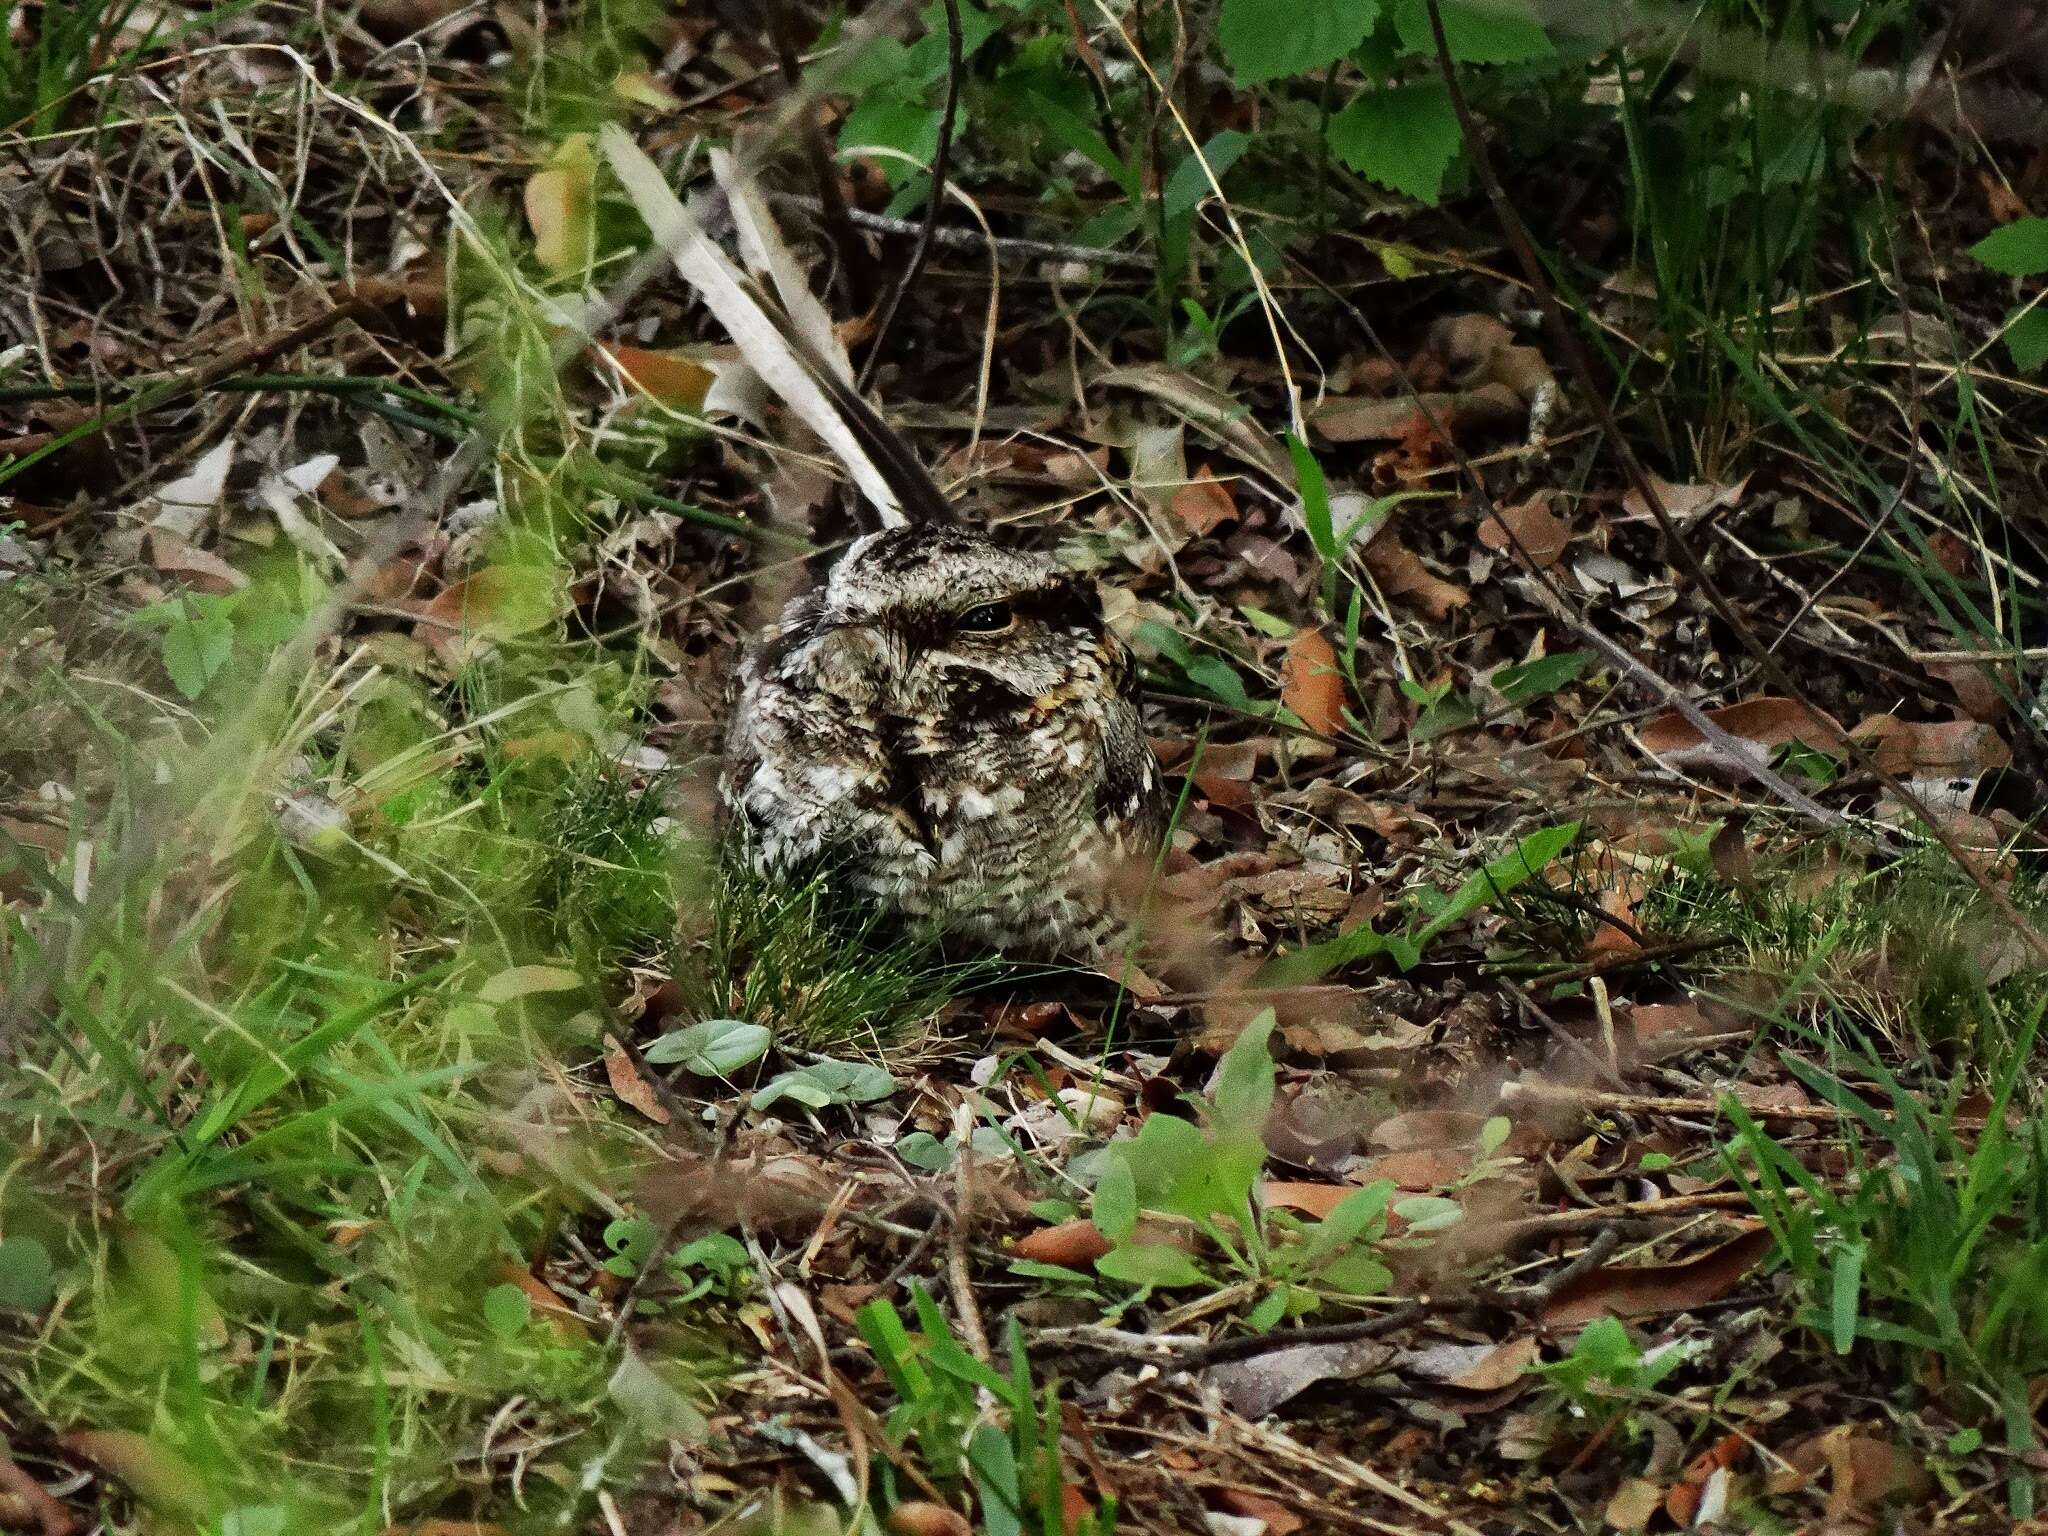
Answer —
(2026, 338)
(1490, 34)
(2019, 249)
(1404, 138)
(1271, 39)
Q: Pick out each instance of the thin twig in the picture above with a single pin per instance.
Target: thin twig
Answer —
(941, 163)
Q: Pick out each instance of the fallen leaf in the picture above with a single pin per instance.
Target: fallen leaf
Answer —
(1401, 573)
(1472, 1367)
(1255, 1387)
(1687, 503)
(1419, 1128)
(917, 1517)
(1277, 1518)
(1759, 727)
(1203, 503)
(1648, 1021)
(1540, 532)
(1310, 683)
(668, 377)
(1933, 749)
(32, 1501)
(1643, 1290)
(1316, 1200)
(1634, 1503)
(630, 1087)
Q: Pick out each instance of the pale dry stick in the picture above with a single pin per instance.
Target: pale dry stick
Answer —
(958, 1278)
(1016, 246)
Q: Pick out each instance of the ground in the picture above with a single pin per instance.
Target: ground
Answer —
(1575, 490)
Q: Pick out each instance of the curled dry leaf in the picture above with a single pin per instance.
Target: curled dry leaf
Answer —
(1070, 1244)
(1682, 1504)
(1540, 532)
(1310, 683)
(1401, 573)
(630, 1086)
(1643, 1290)
(1759, 727)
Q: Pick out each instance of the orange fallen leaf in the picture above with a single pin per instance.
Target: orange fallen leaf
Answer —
(1204, 503)
(150, 1470)
(1310, 683)
(1642, 1290)
(669, 377)
(1070, 1244)
(630, 1086)
(1401, 573)
(1316, 1200)
(1278, 1519)
(917, 1517)
(1683, 1502)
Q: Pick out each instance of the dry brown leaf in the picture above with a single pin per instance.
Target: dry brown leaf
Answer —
(1278, 1519)
(1416, 1129)
(198, 568)
(630, 1087)
(1401, 573)
(1069, 1244)
(1472, 1367)
(1863, 1470)
(1310, 683)
(1686, 503)
(1643, 1290)
(1760, 726)
(1204, 503)
(916, 1517)
(1933, 749)
(1649, 1021)
(22, 1499)
(1634, 1503)
(1540, 532)
(669, 377)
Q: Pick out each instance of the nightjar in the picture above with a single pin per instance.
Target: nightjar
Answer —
(947, 726)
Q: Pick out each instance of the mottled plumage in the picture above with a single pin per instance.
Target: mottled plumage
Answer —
(947, 726)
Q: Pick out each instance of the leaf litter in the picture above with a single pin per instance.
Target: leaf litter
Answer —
(1475, 1226)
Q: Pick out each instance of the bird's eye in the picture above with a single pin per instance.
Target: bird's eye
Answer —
(986, 619)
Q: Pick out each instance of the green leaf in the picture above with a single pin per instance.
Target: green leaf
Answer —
(27, 1277)
(2019, 249)
(2026, 338)
(1429, 1213)
(1476, 34)
(195, 647)
(1315, 499)
(507, 1310)
(921, 1149)
(891, 120)
(1189, 183)
(1116, 1201)
(1244, 1081)
(1526, 680)
(712, 1048)
(1151, 1265)
(1271, 1308)
(1847, 1291)
(1270, 39)
(829, 1082)
(1356, 1272)
(1500, 877)
(1404, 138)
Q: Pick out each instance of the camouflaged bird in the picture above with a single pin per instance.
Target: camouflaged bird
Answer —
(947, 726)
